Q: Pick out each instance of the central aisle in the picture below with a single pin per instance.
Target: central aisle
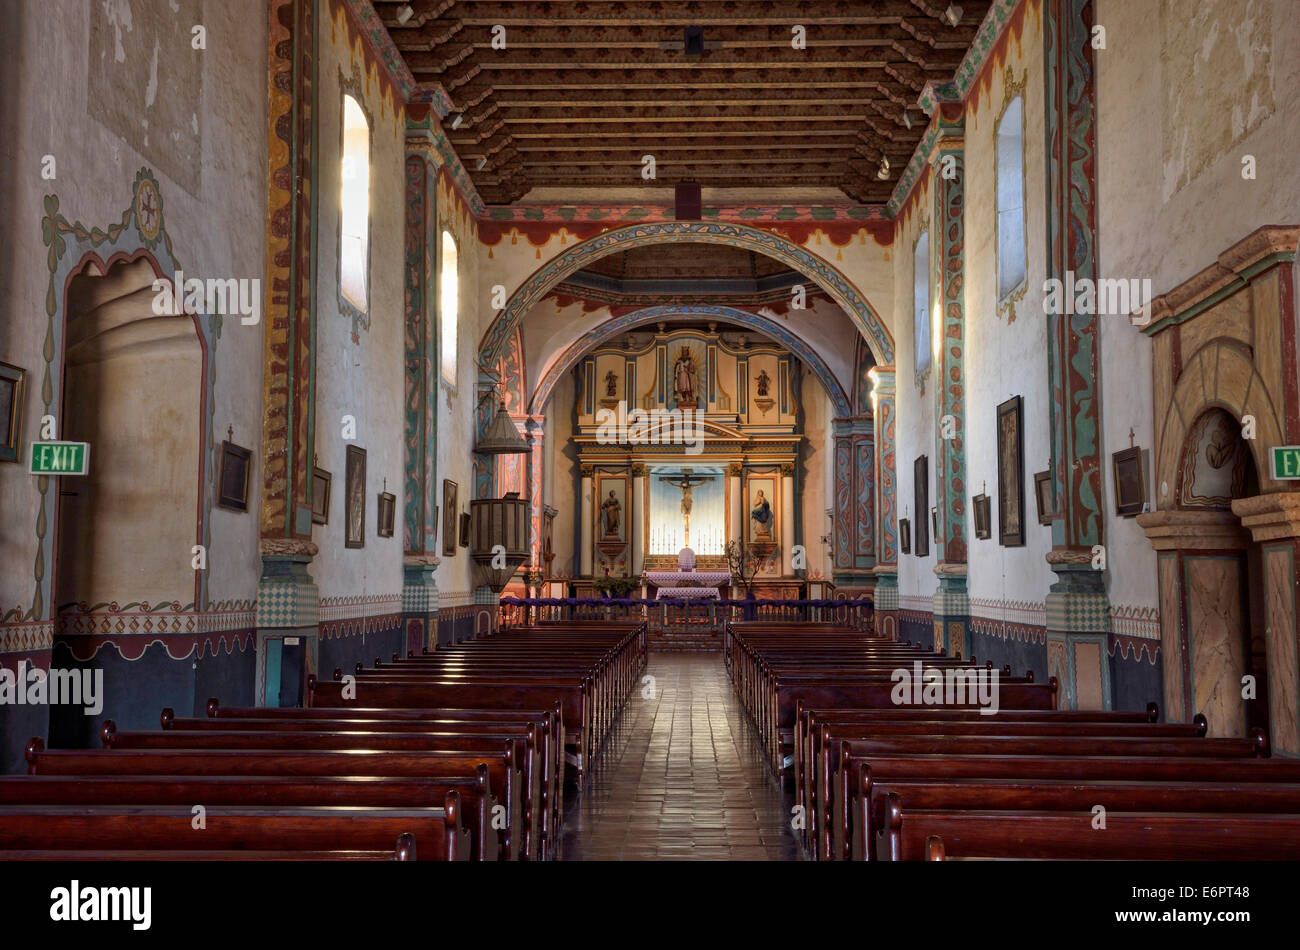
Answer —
(681, 777)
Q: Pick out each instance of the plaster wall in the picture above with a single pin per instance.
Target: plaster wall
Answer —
(185, 108)
(359, 360)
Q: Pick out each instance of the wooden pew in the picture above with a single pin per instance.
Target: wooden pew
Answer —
(1032, 795)
(866, 773)
(437, 831)
(550, 724)
(1166, 836)
(357, 791)
(504, 771)
(530, 803)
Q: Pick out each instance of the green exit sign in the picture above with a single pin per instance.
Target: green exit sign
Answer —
(1286, 462)
(59, 458)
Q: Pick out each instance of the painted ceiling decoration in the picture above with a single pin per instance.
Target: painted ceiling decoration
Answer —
(535, 95)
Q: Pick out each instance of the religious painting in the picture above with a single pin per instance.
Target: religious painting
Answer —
(1045, 496)
(1011, 474)
(980, 506)
(762, 510)
(387, 511)
(921, 494)
(12, 385)
(320, 495)
(905, 535)
(354, 504)
(1130, 482)
(450, 510)
(464, 529)
(232, 484)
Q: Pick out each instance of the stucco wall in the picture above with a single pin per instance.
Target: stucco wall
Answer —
(359, 360)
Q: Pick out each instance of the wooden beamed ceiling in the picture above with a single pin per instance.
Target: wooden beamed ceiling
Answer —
(582, 91)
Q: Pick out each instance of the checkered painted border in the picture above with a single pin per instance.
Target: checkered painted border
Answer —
(1078, 612)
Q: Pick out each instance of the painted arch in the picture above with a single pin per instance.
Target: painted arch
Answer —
(817, 269)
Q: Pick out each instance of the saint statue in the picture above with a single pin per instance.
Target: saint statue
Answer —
(611, 384)
(611, 514)
(760, 517)
(684, 377)
(763, 382)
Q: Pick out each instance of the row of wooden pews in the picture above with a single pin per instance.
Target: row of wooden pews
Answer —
(877, 779)
(459, 755)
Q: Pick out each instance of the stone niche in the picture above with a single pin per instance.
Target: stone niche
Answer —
(1226, 533)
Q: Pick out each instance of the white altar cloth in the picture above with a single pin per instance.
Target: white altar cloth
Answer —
(687, 593)
(688, 578)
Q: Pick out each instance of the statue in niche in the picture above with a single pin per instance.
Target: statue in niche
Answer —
(684, 378)
(760, 517)
(764, 381)
(611, 515)
(611, 384)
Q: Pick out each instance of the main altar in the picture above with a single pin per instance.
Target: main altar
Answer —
(687, 439)
(686, 583)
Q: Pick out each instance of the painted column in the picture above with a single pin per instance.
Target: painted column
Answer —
(1198, 553)
(788, 539)
(420, 456)
(534, 434)
(585, 503)
(735, 478)
(288, 603)
(637, 507)
(854, 516)
(1078, 609)
(948, 178)
(884, 410)
(1274, 523)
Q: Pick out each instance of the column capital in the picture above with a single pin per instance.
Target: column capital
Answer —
(1270, 517)
(1174, 530)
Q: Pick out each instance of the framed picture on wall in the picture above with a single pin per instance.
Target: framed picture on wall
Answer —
(13, 382)
(354, 486)
(1130, 482)
(921, 488)
(450, 508)
(905, 535)
(232, 484)
(464, 529)
(320, 495)
(387, 509)
(1011, 474)
(1045, 497)
(980, 507)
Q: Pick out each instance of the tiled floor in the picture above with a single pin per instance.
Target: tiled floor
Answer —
(682, 777)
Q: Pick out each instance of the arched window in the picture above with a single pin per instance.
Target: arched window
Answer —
(449, 289)
(921, 305)
(354, 208)
(1011, 200)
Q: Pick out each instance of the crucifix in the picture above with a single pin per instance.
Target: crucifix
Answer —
(685, 482)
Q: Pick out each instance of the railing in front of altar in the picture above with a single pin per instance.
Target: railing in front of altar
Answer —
(681, 612)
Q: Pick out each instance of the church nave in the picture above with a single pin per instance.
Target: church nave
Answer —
(682, 777)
